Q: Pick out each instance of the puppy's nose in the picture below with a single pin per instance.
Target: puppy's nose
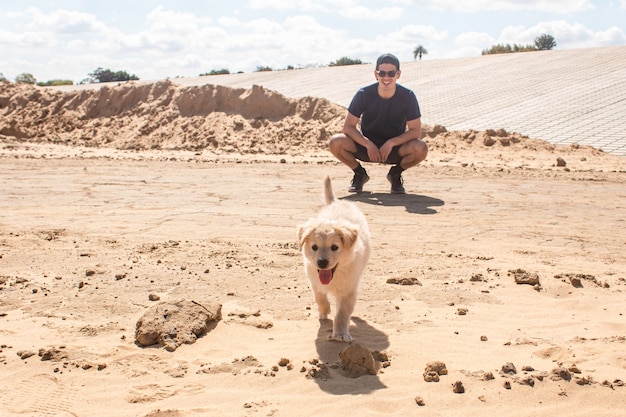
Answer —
(322, 263)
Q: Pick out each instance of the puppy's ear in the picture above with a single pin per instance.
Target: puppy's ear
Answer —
(348, 235)
(304, 231)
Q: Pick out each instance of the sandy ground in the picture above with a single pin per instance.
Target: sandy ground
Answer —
(93, 238)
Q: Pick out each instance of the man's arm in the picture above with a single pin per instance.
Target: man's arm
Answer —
(413, 131)
(350, 130)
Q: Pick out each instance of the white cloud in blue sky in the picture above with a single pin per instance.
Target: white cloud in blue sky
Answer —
(169, 38)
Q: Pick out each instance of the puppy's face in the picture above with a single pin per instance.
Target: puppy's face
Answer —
(325, 245)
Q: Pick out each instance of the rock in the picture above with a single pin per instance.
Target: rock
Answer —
(404, 281)
(509, 369)
(52, 354)
(173, 324)
(357, 361)
(526, 380)
(419, 401)
(488, 140)
(458, 387)
(25, 354)
(523, 277)
(438, 367)
(576, 282)
(431, 376)
(461, 311)
(487, 376)
(561, 374)
(477, 278)
(560, 162)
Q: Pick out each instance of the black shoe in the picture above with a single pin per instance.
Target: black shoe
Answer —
(356, 186)
(396, 183)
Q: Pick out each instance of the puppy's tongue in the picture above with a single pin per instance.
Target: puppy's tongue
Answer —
(325, 275)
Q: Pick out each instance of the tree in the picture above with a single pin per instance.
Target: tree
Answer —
(419, 51)
(545, 42)
(25, 78)
(261, 68)
(345, 61)
(101, 75)
(2, 78)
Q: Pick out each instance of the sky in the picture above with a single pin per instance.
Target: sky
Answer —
(69, 39)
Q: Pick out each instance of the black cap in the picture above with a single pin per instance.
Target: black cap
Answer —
(388, 59)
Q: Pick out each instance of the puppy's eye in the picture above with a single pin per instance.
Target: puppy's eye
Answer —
(314, 247)
(334, 248)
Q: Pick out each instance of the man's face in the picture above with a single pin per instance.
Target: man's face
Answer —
(387, 75)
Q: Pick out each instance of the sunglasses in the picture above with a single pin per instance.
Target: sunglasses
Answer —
(390, 74)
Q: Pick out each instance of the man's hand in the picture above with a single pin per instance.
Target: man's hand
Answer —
(385, 150)
(373, 152)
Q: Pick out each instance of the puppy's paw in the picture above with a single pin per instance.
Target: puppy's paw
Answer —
(346, 338)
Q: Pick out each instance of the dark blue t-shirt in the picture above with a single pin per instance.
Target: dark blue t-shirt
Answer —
(383, 119)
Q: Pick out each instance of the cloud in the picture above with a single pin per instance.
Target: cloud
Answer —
(474, 39)
(64, 22)
(473, 6)
(567, 35)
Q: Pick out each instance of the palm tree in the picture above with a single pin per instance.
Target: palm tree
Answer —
(419, 51)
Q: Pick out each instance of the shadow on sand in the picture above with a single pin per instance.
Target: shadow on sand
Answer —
(418, 204)
(338, 382)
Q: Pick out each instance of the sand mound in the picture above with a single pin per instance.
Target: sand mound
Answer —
(163, 115)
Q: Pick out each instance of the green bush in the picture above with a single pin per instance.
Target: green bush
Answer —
(345, 61)
(216, 72)
(55, 82)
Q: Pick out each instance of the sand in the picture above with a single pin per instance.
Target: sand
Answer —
(499, 278)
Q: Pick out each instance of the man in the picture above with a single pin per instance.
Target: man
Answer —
(390, 130)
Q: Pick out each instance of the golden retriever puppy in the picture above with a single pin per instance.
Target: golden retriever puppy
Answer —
(336, 247)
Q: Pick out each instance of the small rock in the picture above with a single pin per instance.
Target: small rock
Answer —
(509, 369)
(438, 367)
(404, 281)
(153, 297)
(462, 311)
(431, 376)
(25, 354)
(488, 376)
(507, 385)
(483, 338)
(523, 277)
(458, 387)
(576, 282)
(574, 369)
(477, 278)
(586, 380)
(526, 380)
(419, 401)
(561, 374)
(357, 360)
(560, 162)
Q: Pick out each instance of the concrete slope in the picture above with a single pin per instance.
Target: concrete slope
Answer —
(572, 96)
